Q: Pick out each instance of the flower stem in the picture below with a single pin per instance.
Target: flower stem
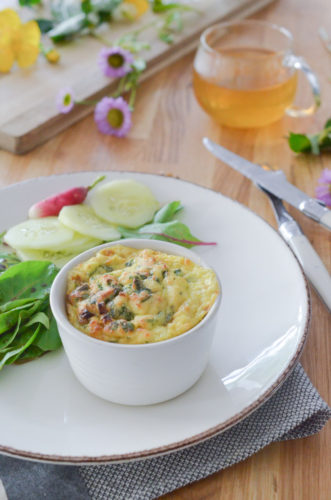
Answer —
(120, 87)
(87, 103)
(132, 97)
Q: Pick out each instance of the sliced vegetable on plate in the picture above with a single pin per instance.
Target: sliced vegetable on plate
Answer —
(124, 202)
(82, 218)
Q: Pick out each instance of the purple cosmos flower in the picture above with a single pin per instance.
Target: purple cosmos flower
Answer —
(323, 191)
(65, 100)
(115, 62)
(113, 116)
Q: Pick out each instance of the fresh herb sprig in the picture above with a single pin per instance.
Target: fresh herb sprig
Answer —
(315, 144)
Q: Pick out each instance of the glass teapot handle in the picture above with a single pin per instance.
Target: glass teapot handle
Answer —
(293, 61)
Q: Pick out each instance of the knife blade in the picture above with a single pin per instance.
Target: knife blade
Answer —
(275, 182)
(309, 259)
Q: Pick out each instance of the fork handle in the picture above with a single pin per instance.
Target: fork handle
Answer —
(313, 266)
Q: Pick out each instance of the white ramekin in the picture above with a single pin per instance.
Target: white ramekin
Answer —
(134, 374)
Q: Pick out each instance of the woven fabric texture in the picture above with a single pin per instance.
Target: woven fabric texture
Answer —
(295, 411)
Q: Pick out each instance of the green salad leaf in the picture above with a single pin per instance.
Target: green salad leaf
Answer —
(164, 228)
(167, 212)
(31, 279)
(27, 326)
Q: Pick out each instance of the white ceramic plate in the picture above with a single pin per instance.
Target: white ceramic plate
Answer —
(47, 415)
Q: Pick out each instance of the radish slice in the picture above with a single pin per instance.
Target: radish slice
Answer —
(83, 219)
(124, 202)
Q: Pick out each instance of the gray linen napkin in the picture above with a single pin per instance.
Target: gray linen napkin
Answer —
(295, 411)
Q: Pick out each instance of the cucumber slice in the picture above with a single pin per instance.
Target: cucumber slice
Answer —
(127, 203)
(59, 258)
(46, 233)
(83, 219)
(79, 243)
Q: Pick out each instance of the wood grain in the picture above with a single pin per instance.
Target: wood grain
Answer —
(28, 115)
(166, 137)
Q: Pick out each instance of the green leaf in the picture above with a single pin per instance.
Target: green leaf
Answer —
(299, 142)
(20, 303)
(30, 279)
(315, 144)
(163, 231)
(9, 319)
(45, 25)
(166, 213)
(7, 260)
(174, 229)
(29, 3)
(86, 6)
(39, 317)
(49, 340)
(32, 352)
(7, 339)
(12, 355)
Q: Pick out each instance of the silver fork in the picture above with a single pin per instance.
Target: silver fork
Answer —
(310, 261)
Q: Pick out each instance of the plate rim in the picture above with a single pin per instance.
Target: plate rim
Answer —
(202, 436)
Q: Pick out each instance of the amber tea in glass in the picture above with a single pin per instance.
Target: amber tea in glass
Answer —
(245, 74)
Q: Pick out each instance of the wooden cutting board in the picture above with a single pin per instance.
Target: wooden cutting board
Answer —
(28, 115)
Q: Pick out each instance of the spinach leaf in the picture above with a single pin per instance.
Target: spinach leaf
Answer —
(21, 303)
(24, 342)
(10, 318)
(31, 279)
(166, 213)
(7, 339)
(29, 354)
(39, 317)
(48, 339)
(27, 326)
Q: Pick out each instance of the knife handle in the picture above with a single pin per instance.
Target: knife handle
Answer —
(326, 220)
(313, 267)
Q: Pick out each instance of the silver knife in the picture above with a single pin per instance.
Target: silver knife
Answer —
(275, 182)
(310, 261)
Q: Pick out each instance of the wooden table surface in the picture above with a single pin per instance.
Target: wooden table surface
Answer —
(166, 138)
